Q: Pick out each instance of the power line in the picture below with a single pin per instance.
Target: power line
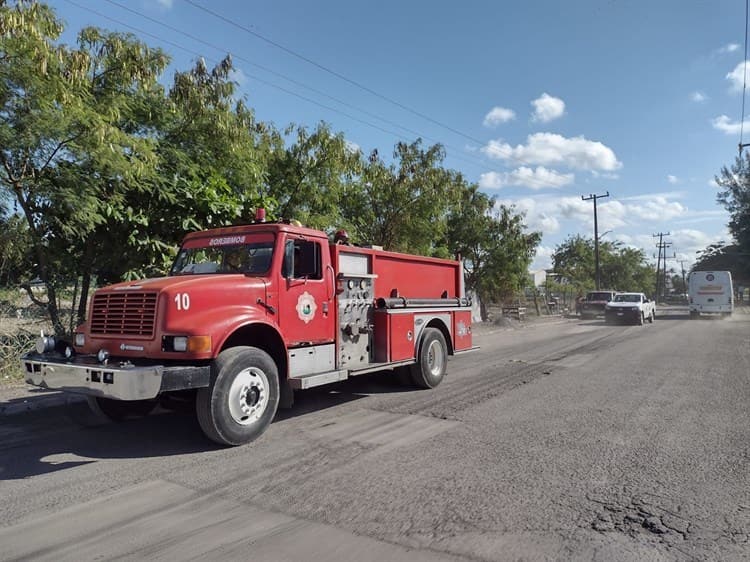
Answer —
(530, 182)
(270, 84)
(331, 71)
(506, 153)
(264, 68)
(457, 154)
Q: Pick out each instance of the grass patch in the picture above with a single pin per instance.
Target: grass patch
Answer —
(20, 324)
(11, 349)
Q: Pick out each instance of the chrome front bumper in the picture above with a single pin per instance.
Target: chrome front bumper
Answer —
(121, 381)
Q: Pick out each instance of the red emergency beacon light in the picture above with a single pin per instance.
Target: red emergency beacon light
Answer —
(260, 215)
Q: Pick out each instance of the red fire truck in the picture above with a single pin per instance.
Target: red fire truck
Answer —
(248, 315)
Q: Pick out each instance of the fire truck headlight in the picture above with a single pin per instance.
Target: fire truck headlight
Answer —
(180, 343)
(191, 344)
(80, 340)
(102, 355)
(199, 344)
(45, 344)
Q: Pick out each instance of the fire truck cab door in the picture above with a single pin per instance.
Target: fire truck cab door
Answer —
(306, 291)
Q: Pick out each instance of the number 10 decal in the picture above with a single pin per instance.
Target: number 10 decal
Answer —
(182, 300)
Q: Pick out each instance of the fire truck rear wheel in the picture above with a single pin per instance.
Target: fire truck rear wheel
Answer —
(242, 397)
(432, 360)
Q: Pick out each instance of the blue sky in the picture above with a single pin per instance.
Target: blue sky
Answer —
(539, 102)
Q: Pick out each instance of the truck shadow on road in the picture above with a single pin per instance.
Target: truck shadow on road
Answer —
(60, 444)
(355, 388)
(47, 440)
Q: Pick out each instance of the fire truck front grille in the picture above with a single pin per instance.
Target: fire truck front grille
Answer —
(132, 314)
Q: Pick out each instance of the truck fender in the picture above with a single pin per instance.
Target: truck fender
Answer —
(266, 337)
(434, 322)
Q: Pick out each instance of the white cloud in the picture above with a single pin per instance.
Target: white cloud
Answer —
(738, 76)
(542, 258)
(727, 126)
(698, 97)
(547, 108)
(672, 179)
(657, 209)
(546, 213)
(650, 196)
(165, 4)
(712, 182)
(352, 147)
(690, 240)
(553, 149)
(533, 178)
(729, 48)
(631, 221)
(497, 116)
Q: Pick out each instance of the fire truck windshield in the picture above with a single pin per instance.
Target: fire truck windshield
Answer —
(253, 257)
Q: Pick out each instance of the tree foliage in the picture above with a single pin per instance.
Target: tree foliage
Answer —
(725, 257)
(404, 205)
(620, 267)
(103, 170)
(494, 244)
(734, 194)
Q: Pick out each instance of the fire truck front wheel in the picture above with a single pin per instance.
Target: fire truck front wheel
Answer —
(242, 397)
(432, 360)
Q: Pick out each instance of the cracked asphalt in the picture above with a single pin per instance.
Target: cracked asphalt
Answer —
(564, 441)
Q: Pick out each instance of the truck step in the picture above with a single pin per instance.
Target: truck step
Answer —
(317, 379)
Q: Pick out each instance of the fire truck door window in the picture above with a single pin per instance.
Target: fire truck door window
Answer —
(302, 259)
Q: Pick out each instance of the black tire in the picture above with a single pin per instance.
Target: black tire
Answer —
(694, 315)
(119, 410)
(84, 411)
(432, 359)
(651, 317)
(403, 376)
(242, 397)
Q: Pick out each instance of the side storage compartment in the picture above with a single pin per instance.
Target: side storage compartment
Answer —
(462, 330)
(394, 336)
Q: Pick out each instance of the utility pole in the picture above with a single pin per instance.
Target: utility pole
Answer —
(684, 283)
(596, 235)
(662, 247)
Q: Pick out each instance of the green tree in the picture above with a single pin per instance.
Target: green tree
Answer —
(63, 111)
(734, 194)
(620, 267)
(573, 261)
(494, 244)
(308, 176)
(725, 257)
(16, 260)
(403, 206)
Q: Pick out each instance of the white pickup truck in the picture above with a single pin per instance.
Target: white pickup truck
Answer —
(630, 307)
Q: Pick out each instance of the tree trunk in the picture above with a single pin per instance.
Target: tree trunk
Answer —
(483, 310)
(82, 304)
(54, 312)
(86, 265)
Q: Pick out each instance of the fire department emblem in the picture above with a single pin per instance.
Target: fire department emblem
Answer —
(306, 307)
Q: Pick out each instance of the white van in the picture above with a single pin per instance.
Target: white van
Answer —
(710, 292)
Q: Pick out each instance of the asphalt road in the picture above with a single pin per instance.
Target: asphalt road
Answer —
(566, 441)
